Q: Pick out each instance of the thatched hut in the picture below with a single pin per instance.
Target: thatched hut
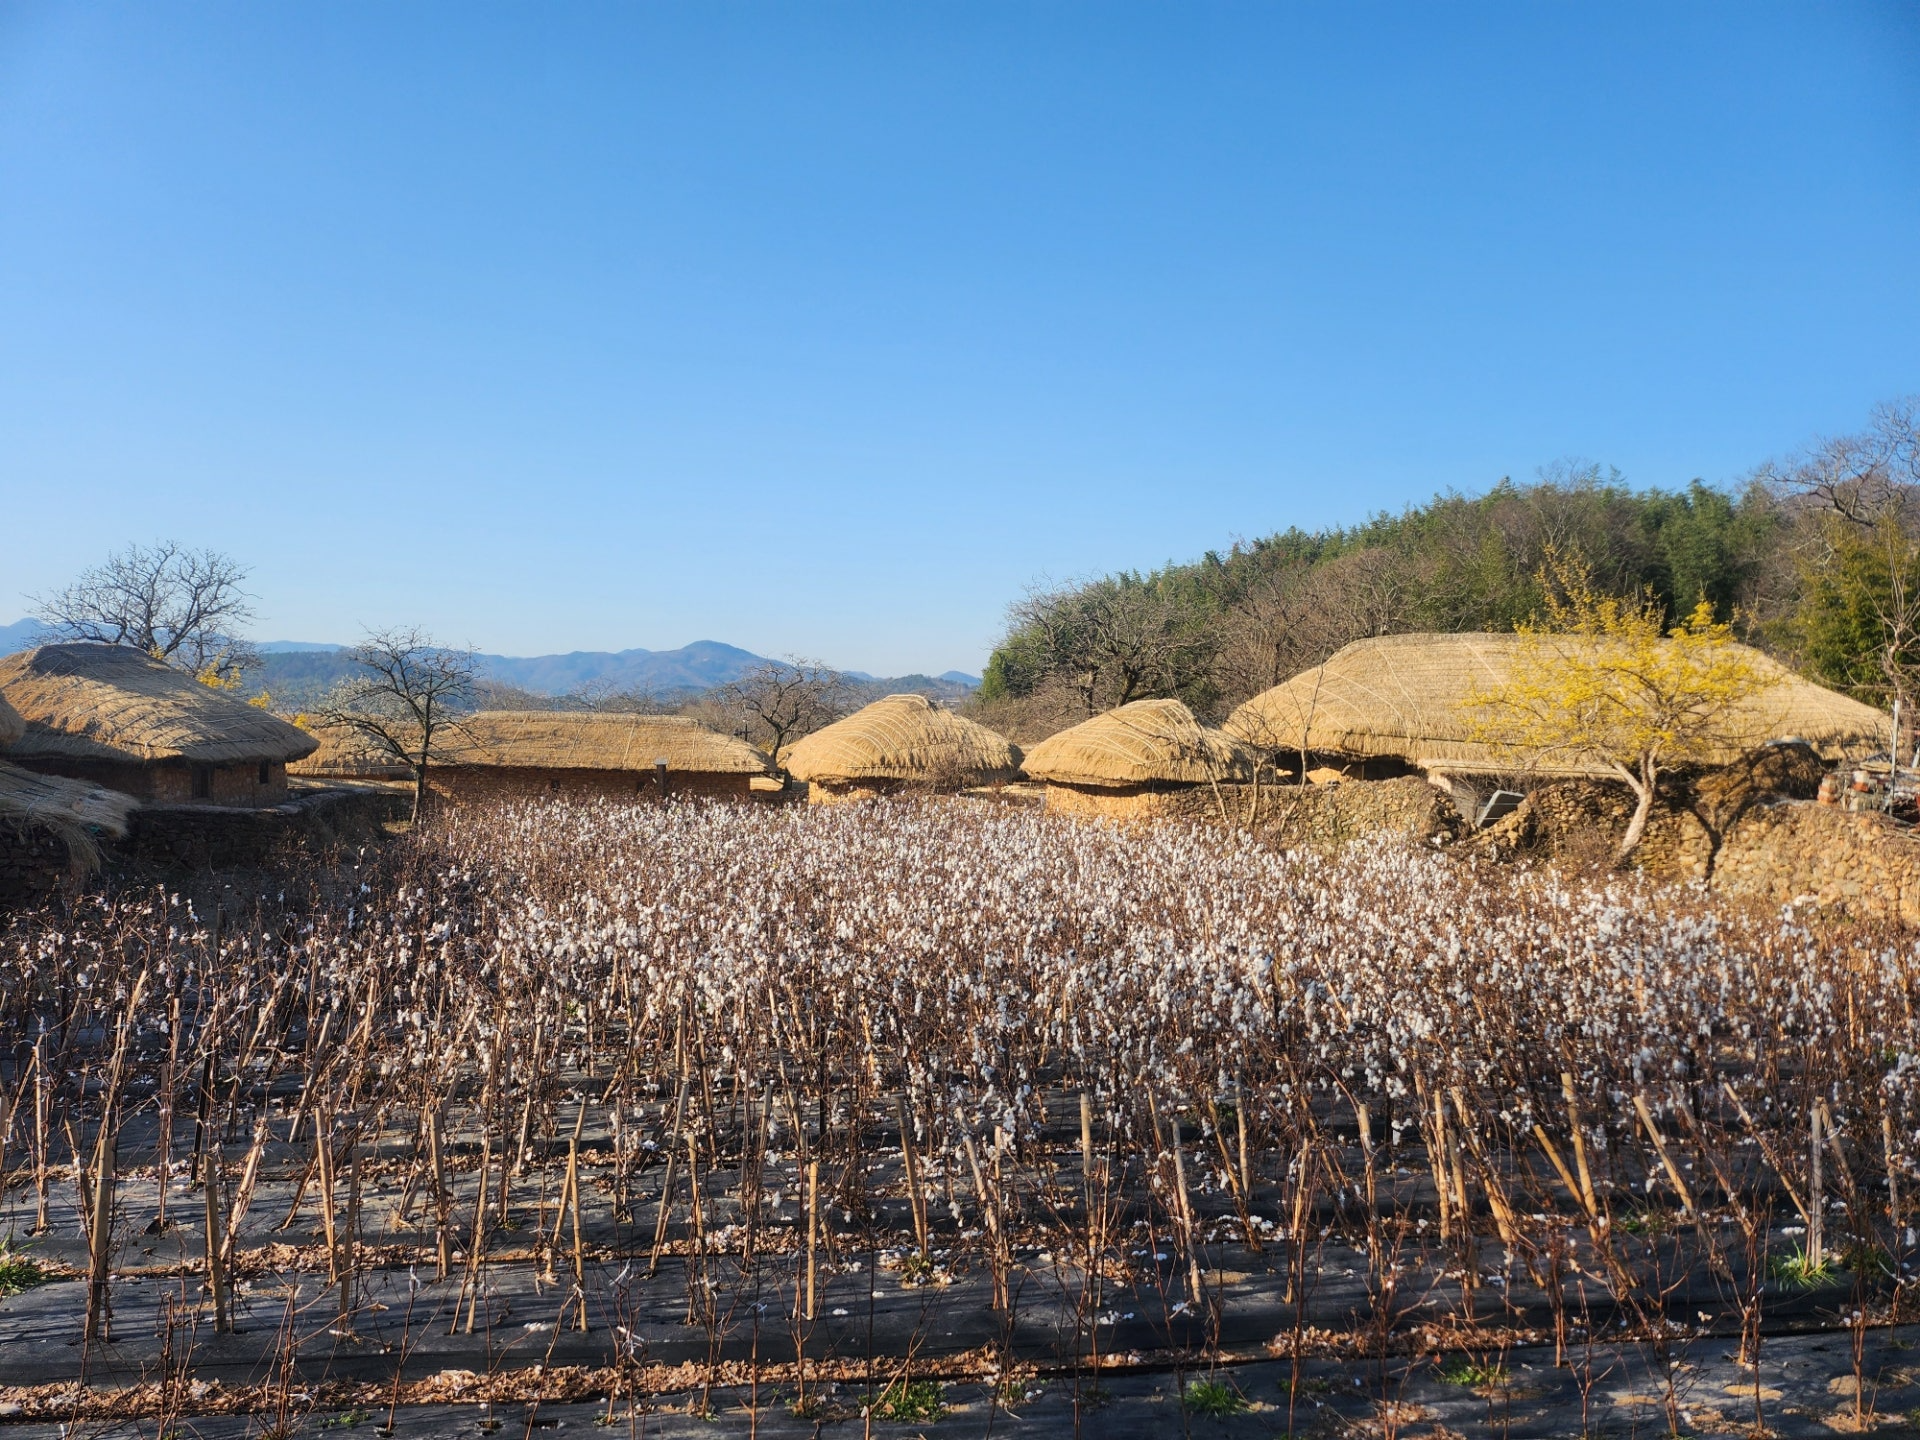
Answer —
(895, 743)
(1139, 760)
(345, 753)
(1400, 704)
(525, 753)
(116, 717)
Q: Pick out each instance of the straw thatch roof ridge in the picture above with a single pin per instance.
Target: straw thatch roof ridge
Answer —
(346, 753)
(595, 740)
(112, 703)
(1141, 743)
(907, 738)
(1409, 697)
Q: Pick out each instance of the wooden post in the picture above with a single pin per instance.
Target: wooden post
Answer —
(442, 1201)
(1893, 1177)
(573, 1209)
(918, 1200)
(1660, 1148)
(1579, 1144)
(99, 1321)
(40, 1225)
(1185, 1211)
(323, 1160)
(813, 1231)
(1816, 1196)
(660, 774)
(216, 1245)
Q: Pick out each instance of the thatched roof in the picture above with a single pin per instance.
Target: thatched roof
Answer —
(595, 740)
(107, 702)
(12, 727)
(903, 737)
(1138, 744)
(346, 754)
(60, 804)
(1407, 696)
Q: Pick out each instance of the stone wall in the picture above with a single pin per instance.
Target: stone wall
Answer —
(1693, 814)
(1323, 815)
(216, 837)
(1859, 865)
(34, 863)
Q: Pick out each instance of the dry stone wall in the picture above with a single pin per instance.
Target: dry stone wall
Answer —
(1860, 865)
(34, 862)
(1331, 815)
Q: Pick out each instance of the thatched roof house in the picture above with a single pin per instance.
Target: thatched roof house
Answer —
(117, 717)
(346, 754)
(546, 752)
(1134, 760)
(1401, 702)
(899, 741)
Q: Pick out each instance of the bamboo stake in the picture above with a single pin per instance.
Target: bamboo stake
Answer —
(1816, 1204)
(1185, 1212)
(913, 1177)
(216, 1244)
(1660, 1148)
(1773, 1159)
(99, 1238)
(1579, 1144)
(813, 1232)
(573, 1209)
(1560, 1168)
(666, 1184)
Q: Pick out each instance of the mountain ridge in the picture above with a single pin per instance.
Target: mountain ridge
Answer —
(304, 665)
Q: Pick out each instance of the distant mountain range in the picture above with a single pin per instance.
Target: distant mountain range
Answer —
(303, 667)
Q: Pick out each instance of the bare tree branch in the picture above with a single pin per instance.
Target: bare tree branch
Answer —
(182, 606)
(410, 692)
(775, 704)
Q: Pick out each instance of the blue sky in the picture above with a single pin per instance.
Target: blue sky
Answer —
(824, 329)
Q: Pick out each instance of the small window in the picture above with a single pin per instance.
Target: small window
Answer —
(266, 772)
(202, 782)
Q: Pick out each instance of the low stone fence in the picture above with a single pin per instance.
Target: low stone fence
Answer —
(217, 837)
(1861, 865)
(34, 862)
(1329, 815)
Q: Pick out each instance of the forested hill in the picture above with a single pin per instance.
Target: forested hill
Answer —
(1230, 624)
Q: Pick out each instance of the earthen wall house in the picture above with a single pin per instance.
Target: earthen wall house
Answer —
(112, 716)
(899, 742)
(537, 754)
(470, 783)
(1135, 763)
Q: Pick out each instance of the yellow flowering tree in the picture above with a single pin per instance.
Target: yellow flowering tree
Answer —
(1600, 680)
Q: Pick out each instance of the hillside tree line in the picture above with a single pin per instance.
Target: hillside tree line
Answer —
(1814, 559)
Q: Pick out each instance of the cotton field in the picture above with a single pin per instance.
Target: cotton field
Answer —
(1020, 1066)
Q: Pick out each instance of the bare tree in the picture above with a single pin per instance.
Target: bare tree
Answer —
(1861, 572)
(181, 606)
(408, 694)
(1114, 640)
(774, 704)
